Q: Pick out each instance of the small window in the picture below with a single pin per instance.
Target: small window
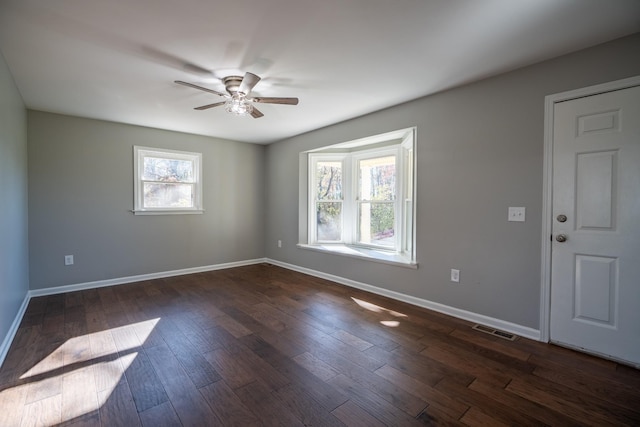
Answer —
(167, 181)
(360, 197)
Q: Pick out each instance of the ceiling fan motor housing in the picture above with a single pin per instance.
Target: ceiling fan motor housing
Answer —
(232, 83)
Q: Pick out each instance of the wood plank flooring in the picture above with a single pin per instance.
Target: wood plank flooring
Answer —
(260, 345)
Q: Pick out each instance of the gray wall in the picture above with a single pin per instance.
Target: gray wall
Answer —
(480, 150)
(81, 194)
(14, 252)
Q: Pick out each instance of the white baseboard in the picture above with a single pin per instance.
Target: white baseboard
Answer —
(140, 278)
(523, 331)
(11, 334)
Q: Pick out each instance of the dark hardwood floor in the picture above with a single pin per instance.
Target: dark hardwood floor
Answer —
(260, 345)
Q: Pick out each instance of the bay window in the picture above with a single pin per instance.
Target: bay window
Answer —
(360, 197)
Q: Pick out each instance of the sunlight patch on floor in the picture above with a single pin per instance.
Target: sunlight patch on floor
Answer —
(390, 323)
(378, 309)
(78, 377)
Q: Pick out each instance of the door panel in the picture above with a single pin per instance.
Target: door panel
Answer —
(595, 290)
(595, 190)
(606, 121)
(595, 272)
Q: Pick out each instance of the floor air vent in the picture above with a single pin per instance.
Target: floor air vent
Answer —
(496, 332)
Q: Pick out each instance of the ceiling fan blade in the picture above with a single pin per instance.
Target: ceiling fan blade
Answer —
(248, 83)
(206, 107)
(286, 101)
(200, 88)
(256, 114)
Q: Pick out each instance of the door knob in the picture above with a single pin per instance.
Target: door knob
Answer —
(561, 238)
(561, 218)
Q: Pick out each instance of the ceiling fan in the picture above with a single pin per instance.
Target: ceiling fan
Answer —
(238, 101)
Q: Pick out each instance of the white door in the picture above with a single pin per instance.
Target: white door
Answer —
(595, 272)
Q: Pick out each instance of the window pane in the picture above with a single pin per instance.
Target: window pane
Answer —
(167, 170)
(377, 178)
(168, 195)
(329, 217)
(329, 180)
(377, 224)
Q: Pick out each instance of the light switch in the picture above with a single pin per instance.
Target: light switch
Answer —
(516, 214)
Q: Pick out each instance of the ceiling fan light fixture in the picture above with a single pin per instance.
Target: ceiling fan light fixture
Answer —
(238, 105)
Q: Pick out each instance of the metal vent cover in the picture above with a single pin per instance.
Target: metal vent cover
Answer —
(495, 332)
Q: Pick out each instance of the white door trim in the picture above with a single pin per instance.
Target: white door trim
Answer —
(547, 187)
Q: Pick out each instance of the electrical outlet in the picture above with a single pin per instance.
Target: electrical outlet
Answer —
(279, 243)
(455, 275)
(68, 260)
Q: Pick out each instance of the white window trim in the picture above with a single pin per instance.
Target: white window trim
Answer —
(139, 153)
(406, 255)
(354, 251)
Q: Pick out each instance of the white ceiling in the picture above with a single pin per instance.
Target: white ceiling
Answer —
(117, 59)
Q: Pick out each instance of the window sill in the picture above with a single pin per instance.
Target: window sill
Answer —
(171, 212)
(374, 255)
